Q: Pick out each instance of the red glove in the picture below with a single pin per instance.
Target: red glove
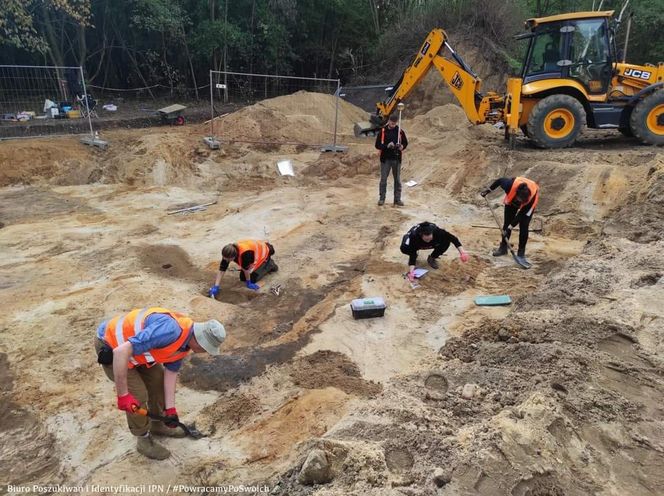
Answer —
(464, 256)
(128, 403)
(172, 418)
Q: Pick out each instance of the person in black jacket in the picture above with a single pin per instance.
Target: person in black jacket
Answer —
(391, 141)
(427, 236)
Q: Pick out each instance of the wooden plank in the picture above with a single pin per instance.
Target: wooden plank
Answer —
(176, 107)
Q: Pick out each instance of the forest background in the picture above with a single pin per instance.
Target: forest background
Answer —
(174, 43)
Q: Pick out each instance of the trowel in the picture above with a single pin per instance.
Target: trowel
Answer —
(189, 431)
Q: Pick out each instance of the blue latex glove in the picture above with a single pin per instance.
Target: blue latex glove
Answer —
(214, 291)
(253, 285)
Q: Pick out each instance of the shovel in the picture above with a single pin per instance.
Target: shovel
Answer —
(521, 262)
(189, 431)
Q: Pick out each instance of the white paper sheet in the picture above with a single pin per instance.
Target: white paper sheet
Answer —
(419, 273)
(285, 168)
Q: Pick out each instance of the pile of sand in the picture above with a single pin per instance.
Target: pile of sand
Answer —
(302, 117)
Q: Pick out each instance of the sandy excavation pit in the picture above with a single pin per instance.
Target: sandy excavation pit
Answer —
(558, 394)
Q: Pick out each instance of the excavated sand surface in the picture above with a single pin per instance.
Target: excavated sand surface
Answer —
(557, 394)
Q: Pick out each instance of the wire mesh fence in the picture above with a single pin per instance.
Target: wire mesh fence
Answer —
(365, 97)
(274, 109)
(44, 100)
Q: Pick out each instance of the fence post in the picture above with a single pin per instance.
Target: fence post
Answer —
(211, 108)
(211, 141)
(335, 147)
(87, 107)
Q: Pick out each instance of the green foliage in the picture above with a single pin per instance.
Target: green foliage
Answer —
(18, 19)
(176, 42)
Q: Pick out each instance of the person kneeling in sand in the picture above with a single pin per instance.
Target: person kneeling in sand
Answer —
(427, 236)
(254, 258)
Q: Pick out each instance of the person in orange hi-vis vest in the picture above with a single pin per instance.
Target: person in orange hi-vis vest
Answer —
(254, 258)
(521, 198)
(142, 352)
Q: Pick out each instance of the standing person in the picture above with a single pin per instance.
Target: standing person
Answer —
(254, 258)
(132, 348)
(521, 197)
(391, 141)
(427, 236)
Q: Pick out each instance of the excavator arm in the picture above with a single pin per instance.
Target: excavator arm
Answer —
(462, 81)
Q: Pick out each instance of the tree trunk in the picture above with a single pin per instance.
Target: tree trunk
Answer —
(225, 51)
(191, 64)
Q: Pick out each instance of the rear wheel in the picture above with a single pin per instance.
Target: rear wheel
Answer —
(556, 121)
(647, 119)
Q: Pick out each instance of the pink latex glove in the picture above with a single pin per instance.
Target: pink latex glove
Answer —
(411, 276)
(464, 256)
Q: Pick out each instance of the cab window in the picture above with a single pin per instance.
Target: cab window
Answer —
(545, 53)
(589, 54)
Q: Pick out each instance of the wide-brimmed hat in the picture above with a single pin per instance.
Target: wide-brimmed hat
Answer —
(210, 335)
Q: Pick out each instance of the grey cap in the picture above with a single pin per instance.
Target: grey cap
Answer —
(210, 335)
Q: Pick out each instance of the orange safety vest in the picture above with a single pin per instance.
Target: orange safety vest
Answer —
(533, 188)
(120, 329)
(260, 249)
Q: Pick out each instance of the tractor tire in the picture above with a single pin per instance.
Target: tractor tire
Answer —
(647, 119)
(556, 121)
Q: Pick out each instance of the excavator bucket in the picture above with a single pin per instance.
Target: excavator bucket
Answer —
(370, 127)
(364, 128)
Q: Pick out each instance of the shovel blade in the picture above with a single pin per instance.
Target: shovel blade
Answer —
(192, 432)
(521, 262)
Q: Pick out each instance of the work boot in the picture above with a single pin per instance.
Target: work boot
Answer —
(501, 250)
(433, 263)
(381, 202)
(158, 428)
(398, 203)
(147, 446)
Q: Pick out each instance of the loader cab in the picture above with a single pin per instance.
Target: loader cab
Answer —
(572, 46)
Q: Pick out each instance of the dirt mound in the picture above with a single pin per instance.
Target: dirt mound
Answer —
(156, 158)
(328, 368)
(297, 118)
(61, 161)
(335, 166)
(442, 119)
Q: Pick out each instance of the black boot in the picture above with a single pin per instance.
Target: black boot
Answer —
(433, 263)
(501, 250)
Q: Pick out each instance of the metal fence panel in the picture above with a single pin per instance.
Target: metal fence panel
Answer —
(44, 100)
(309, 118)
(365, 97)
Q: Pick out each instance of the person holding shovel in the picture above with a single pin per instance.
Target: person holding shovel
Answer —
(427, 236)
(142, 352)
(254, 258)
(521, 197)
(391, 141)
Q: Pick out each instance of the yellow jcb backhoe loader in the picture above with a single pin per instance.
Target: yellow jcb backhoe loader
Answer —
(571, 78)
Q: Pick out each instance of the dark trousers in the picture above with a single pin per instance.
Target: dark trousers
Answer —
(438, 250)
(524, 223)
(393, 165)
(263, 269)
(147, 386)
